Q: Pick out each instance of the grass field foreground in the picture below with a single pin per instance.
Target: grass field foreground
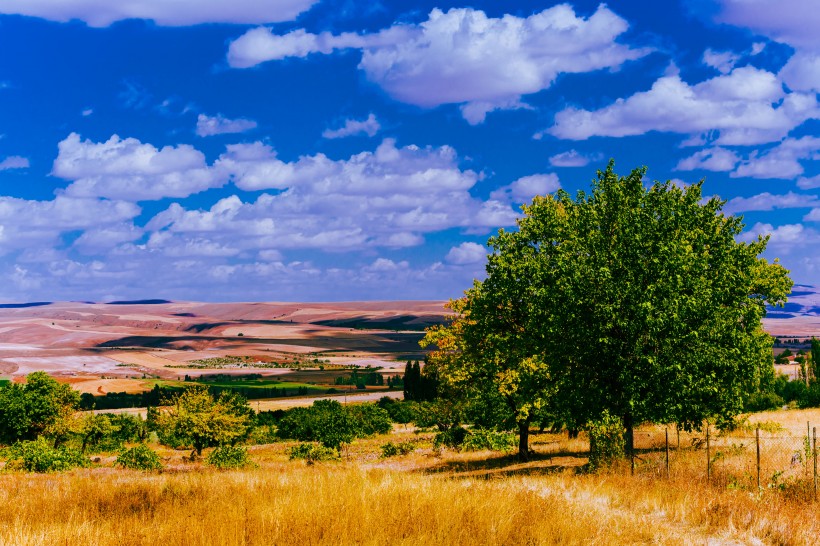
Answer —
(382, 502)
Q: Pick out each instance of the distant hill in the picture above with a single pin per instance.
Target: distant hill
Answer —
(139, 302)
(800, 317)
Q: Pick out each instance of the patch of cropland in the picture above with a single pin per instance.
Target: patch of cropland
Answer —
(404, 322)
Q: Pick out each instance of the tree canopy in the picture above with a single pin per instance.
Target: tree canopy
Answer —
(39, 406)
(198, 420)
(637, 301)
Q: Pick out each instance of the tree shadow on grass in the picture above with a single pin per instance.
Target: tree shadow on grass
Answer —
(504, 466)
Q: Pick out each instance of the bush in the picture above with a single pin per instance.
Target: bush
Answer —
(139, 457)
(313, 453)
(402, 448)
(452, 437)
(762, 401)
(400, 411)
(40, 456)
(332, 424)
(225, 457)
(478, 439)
(606, 441)
(369, 419)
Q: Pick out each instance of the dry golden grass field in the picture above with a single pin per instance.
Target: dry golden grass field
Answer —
(425, 497)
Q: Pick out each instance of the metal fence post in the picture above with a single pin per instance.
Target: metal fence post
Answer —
(708, 456)
(667, 452)
(757, 441)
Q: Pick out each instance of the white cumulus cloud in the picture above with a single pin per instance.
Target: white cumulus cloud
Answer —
(29, 224)
(127, 169)
(467, 254)
(747, 106)
(389, 197)
(527, 187)
(782, 161)
(462, 56)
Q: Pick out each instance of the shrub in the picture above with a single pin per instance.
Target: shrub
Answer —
(481, 438)
(332, 424)
(369, 419)
(400, 411)
(225, 457)
(452, 437)
(139, 457)
(402, 448)
(40, 456)
(606, 441)
(762, 401)
(313, 453)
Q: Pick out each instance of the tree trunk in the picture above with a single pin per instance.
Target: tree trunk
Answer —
(524, 440)
(629, 440)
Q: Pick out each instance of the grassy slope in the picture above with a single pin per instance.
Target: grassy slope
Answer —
(452, 498)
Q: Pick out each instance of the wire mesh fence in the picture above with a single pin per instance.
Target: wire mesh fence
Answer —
(751, 459)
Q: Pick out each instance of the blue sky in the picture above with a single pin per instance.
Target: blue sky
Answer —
(338, 150)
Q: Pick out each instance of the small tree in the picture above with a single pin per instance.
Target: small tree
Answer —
(198, 420)
(39, 406)
(606, 440)
(139, 457)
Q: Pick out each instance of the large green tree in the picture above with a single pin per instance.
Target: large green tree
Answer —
(633, 300)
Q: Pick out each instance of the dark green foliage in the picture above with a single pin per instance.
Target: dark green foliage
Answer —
(139, 457)
(443, 413)
(361, 380)
(109, 432)
(400, 411)
(402, 448)
(332, 424)
(227, 457)
(789, 391)
(762, 401)
(810, 397)
(782, 358)
(815, 358)
(41, 456)
(369, 419)
(395, 382)
(326, 421)
(313, 453)
(419, 384)
(451, 437)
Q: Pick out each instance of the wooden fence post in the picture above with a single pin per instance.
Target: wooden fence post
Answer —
(814, 456)
(708, 457)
